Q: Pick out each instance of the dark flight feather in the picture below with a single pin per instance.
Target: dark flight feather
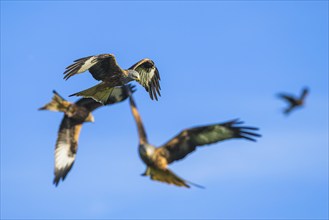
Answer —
(186, 141)
(149, 77)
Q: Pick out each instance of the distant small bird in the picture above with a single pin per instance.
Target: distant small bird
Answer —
(157, 159)
(75, 115)
(293, 101)
(105, 68)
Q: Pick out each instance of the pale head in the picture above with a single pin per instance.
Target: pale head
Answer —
(133, 74)
(146, 152)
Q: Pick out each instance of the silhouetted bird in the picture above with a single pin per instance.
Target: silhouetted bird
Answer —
(105, 68)
(293, 101)
(75, 114)
(157, 159)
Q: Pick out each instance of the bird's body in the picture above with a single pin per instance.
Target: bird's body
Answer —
(294, 102)
(157, 159)
(75, 114)
(104, 67)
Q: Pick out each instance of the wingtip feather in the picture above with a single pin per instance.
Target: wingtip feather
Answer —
(42, 108)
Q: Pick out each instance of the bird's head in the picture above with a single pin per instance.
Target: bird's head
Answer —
(146, 152)
(133, 74)
(90, 118)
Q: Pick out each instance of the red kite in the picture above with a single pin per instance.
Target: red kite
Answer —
(157, 159)
(293, 101)
(75, 114)
(105, 68)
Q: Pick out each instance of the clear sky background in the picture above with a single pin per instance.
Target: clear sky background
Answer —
(218, 61)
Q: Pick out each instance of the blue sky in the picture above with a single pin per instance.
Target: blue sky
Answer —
(218, 61)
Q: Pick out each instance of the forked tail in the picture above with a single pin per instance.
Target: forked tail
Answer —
(167, 176)
(288, 110)
(57, 103)
(100, 93)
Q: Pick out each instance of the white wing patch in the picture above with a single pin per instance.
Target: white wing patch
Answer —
(66, 148)
(80, 66)
(146, 77)
(151, 74)
(87, 64)
(149, 79)
(64, 158)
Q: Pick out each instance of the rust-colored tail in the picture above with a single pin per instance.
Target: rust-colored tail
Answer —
(56, 104)
(165, 176)
(100, 93)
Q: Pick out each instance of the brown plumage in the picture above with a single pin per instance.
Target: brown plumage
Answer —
(104, 67)
(75, 114)
(293, 101)
(157, 159)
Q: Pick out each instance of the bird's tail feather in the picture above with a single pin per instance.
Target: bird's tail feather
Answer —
(100, 93)
(167, 176)
(56, 104)
(287, 110)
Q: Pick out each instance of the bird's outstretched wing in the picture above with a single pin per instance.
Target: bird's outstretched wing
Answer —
(66, 147)
(149, 77)
(102, 67)
(140, 127)
(290, 99)
(187, 140)
(304, 94)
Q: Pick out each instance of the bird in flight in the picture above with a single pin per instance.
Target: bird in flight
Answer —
(293, 101)
(104, 67)
(75, 114)
(157, 159)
